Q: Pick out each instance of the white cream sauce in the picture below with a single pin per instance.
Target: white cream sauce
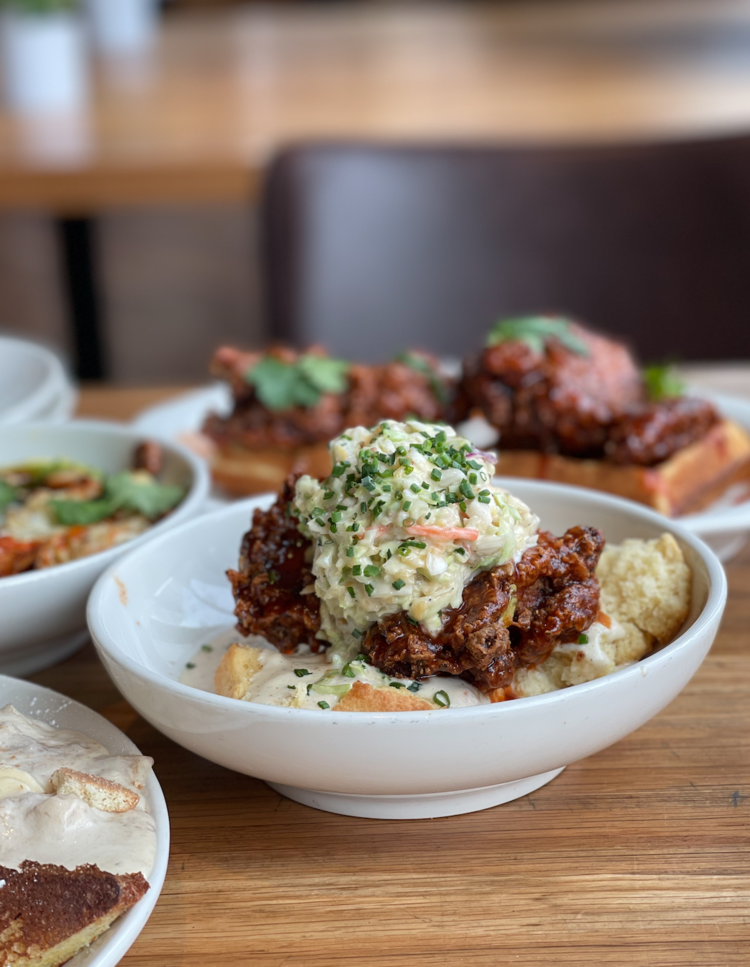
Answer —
(277, 684)
(37, 825)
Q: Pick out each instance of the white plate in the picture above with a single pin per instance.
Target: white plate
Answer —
(31, 380)
(725, 527)
(55, 709)
(185, 413)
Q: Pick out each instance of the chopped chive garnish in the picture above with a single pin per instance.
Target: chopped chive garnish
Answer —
(406, 505)
(583, 639)
(350, 589)
(357, 633)
(336, 517)
(442, 699)
(420, 544)
(398, 584)
(436, 475)
(369, 588)
(348, 672)
(350, 552)
(327, 495)
(414, 488)
(357, 570)
(459, 550)
(338, 471)
(323, 705)
(189, 664)
(301, 672)
(484, 500)
(396, 685)
(206, 648)
(292, 686)
(363, 508)
(425, 485)
(474, 465)
(372, 571)
(412, 621)
(414, 687)
(466, 490)
(355, 526)
(472, 478)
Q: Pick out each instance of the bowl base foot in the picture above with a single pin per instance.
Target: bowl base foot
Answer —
(428, 806)
(33, 658)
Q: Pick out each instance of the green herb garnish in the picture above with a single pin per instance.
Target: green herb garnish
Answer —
(442, 699)
(662, 383)
(414, 687)
(7, 494)
(323, 705)
(301, 672)
(534, 331)
(420, 365)
(281, 385)
(398, 584)
(122, 491)
(583, 639)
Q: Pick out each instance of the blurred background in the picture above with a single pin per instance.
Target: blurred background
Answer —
(177, 175)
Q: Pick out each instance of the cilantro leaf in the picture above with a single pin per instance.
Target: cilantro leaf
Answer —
(135, 492)
(535, 331)
(281, 385)
(8, 494)
(81, 512)
(420, 365)
(662, 383)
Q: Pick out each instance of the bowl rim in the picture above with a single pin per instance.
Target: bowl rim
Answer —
(710, 613)
(196, 495)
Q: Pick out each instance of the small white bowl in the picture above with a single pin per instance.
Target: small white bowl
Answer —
(384, 765)
(55, 709)
(31, 380)
(44, 612)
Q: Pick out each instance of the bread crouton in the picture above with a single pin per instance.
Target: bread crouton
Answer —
(103, 794)
(362, 697)
(236, 670)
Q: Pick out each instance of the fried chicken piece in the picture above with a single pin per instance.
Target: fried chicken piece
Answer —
(392, 391)
(473, 642)
(17, 556)
(558, 593)
(149, 456)
(483, 641)
(559, 400)
(273, 586)
(653, 433)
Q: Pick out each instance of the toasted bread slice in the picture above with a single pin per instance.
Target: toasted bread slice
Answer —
(48, 913)
(241, 472)
(363, 697)
(680, 484)
(103, 794)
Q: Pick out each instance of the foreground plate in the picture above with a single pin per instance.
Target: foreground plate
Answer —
(55, 709)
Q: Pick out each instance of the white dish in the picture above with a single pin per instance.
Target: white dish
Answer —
(43, 612)
(55, 709)
(32, 379)
(185, 413)
(404, 765)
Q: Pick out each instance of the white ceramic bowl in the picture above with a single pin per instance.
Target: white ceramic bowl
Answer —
(55, 709)
(403, 765)
(44, 612)
(32, 381)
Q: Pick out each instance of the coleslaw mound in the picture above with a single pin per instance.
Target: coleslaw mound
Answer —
(405, 520)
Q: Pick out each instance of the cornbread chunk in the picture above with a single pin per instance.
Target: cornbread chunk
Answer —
(363, 697)
(102, 794)
(48, 913)
(236, 670)
(645, 595)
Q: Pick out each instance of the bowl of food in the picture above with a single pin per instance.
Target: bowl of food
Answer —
(412, 637)
(72, 498)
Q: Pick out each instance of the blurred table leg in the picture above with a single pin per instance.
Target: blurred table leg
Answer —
(78, 262)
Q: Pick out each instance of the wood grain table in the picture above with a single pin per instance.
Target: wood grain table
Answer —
(638, 855)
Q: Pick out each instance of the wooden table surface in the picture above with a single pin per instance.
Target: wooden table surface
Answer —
(638, 855)
(198, 119)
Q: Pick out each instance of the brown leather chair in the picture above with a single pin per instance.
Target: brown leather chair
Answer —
(372, 248)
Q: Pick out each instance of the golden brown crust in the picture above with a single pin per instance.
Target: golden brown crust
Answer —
(99, 793)
(672, 487)
(236, 670)
(242, 472)
(362, 697)
(48, 913)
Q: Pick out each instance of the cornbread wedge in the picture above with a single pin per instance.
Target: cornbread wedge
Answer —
(48, 913)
